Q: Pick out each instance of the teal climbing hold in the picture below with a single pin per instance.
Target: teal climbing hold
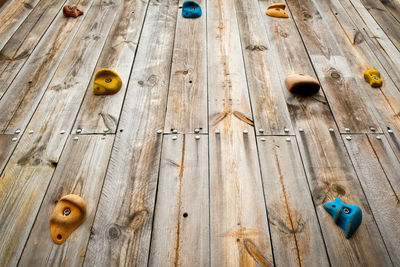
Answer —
(191, 9)
(347, 216)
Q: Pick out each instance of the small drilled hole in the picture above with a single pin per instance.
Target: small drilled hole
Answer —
(190, 81)
(185, 214)
(121, 130)
(59, 237)
(333, 206)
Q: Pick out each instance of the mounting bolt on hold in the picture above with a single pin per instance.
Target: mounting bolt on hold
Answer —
(197, 137)
(67, 212)
(14, 139)
(196, 130)
(17, 131)
(261, 130)
(245, 131)
(79, 130)
(348, 138)
(378, 137)
(347, 129)
(174, 137)
(159, 131)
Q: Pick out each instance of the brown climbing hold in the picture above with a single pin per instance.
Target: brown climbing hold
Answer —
(277, 10)
(72, 11)
(68, 214)
(301, 84)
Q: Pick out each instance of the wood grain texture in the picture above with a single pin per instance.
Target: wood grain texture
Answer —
(332, 67)
(7, 147)
(295, 231)
(393, 6)
(24, 94)
(80, 171)
(21, 45)
(26, 177)
(238, 220)
(122, 227)
(327, 165)
(267, 98)
(12, 16)
(187, 98)
(102, 112)
(378, 171)
(180, 234)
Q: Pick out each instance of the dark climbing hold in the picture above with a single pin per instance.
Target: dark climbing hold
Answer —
(72, 11)
(373, 77)
(347, 216)
(191, 9)
(301, 84)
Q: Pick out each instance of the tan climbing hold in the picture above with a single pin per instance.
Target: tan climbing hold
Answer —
(373, 77)
(106, 82)
(72, 11)
(301, 84)
(277, 10)
(68, 214)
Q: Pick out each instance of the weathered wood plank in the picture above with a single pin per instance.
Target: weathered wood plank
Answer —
(80, 171)
(238, 220)
(20, 46)
(24, 94)
(122, 227)
(295, 231)
(326, 162)
(267, 99)
(187, 98)
(7, 146)
(102, 112)
(384, 18)
(378, 171)
(180, 234)
(12, 16)
(341, 88)
(393, 6)
(26, 177)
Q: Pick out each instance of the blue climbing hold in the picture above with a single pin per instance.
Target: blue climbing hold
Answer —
(347, 216)
(191, 9)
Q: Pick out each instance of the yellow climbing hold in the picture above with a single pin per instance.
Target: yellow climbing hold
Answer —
(68, 214)
(106, 82)
(277, 10)
(373, 77)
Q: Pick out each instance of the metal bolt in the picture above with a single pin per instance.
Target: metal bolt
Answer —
(347, 129)
(17, 131)
(301, 130)
(108, 80)
(14, 139)
(348, 138)
(372, 129)
(378, 137)
(76, 138)
(106, 130)
(217, 132)
(175, 131)
(31, 132)
(262, 139)
(286, 130)
(288, 139)
(62, 132)
(67, 212)
(78, 130)
(346, 210)
(261, 130)
(159, 131)
(196, 130)
(174, 137)
(390, 131)
(245, 131)
(331, 130)
(197, 137)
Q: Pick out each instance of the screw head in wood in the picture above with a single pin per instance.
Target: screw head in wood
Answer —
(14, 139)
(262, 139)
(286, 130)
(245, 131)
(331, 130)
(76, 138)
(17, 131)
(174, 137)
(261, 130)
(301, 130)
(175, 131)
(159, 131)
(347, 129)
(62, 132)
(288, 139)
(217, 132)
(378, 137)
(390, 131)
(372, 129)
(348, 138)
(196, 130)
(31, 132)
(79, 130)
(106, 130)
(197, 137)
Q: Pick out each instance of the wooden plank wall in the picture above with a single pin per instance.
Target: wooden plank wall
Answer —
(203, 158)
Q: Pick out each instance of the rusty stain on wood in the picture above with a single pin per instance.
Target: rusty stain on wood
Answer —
(255, 253)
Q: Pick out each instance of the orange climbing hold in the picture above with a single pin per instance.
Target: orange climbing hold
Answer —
(301, 84)
(277, 10)
(72, 11)
(68, 214)
(373, 77)
(106, 82)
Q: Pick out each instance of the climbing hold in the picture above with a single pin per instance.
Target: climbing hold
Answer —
(277, 10)
(106, 82)
(347, 216)
(301, 84)
(72, 11)
(373, 77)
(191, 9)
(68, 214)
